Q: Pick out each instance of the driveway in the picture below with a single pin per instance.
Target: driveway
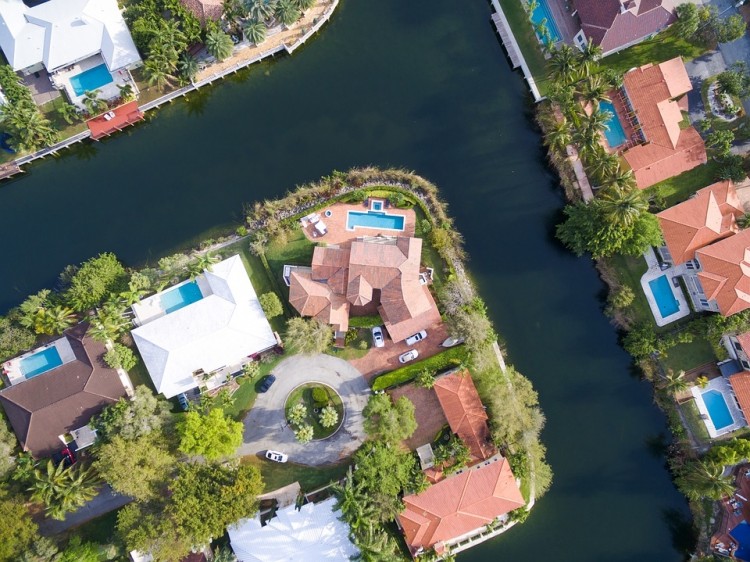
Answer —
(103, 503)
(265, 424)
(735, 51)
(698, 69)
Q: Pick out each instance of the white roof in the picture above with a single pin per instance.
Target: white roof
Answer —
(61, 32)
(311, 534)
(219, 330)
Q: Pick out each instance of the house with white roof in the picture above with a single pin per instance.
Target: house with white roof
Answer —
(314, 532)
(200, 332)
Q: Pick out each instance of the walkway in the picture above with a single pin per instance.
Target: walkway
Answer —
(105, 502)
(265, 425)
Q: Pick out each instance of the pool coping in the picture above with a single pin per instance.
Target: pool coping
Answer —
(653, 272)
(369, 211)
(719, 384)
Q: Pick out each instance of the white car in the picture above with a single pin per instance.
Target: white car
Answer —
(451, 342)
(410, 355)
(276, 456)
(377, 337)
(419, 336)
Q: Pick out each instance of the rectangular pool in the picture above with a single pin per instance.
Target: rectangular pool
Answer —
(542, 13)
(180, 297)
(373, 219)
(665, 299)
(717, 409)
(614, 132)
(91, 79)
(40, 362)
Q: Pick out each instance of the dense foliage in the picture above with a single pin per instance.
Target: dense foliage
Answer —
(96, 279)
(308, 335)
(20, 116)
(389, 422)
(17, 530)
(213, 435)
(130, 419)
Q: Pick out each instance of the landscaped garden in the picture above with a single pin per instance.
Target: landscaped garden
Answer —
(315, 406)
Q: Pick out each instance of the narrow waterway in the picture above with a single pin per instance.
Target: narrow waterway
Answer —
(422, 85)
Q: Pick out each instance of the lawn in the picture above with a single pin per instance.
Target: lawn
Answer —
(664, 46)
(629, 270)
(686, 356)
(304, 395)
(276, 475)
(244, 397)
(693, 418)
(527, 41)
(356, 348)
(66, 130)
(139, 374)
(296, 249)
(679, 188)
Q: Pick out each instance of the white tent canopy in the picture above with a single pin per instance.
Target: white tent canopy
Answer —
(311, 534)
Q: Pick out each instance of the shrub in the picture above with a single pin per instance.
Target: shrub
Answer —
(351, 336)
(319, 395)
(120, 357)
(425, 379)
(329, 417)
(251, 370)
(297, 414)
(271, 305)
(241, 230)
(425, 226)
(449, 358)
(304, 434)
(363, 344)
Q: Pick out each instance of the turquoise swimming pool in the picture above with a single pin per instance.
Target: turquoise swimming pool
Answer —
(665, 299)
(374, 219)
(91, 79)
(614, 132)
(717, 409)
(40, 362)
(541, 13)
(180, 297)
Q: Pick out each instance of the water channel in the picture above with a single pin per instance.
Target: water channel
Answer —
(422, 85)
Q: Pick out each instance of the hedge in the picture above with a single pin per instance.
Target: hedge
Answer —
(448, 359)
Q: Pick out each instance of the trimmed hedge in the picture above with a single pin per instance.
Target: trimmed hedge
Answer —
(447, 359)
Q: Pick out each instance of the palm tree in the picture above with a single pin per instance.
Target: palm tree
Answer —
(262, 10)
(54, 320)
(704, 479)
(619, 178)
(558, 135)
(587, 140)
(188, 67)
(62, 489)
(219, 45)
(744, 221)
(93, 104)
(375, 545)
(563, 64)
(304, 5)
(68, 112)
(31, 130)
(202, 262)
(255, 31)
(157, 72)
(126, 92)
(587, 56)
(110, 322)
(595, 89)
(287, 12)
(600, 164)
(132, 296)
(675, 382)
(622, 207)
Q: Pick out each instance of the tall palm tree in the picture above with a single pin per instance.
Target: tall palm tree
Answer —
(219, 45)
(703, 479)
(93, 103)
(202, 262)
(375, 545)
(287, 12)
(261, 10)
(588, 56)
(126, 92)
(54, 320)
(187, 67)
(558, 135)
(675, 382)
(62, 489)
(600, 164)
(622, 207)
(620, 178)
(157, 71)
(68, 112)
(255, 31)
(304, 5)
(563, 64)
(594, 90)
(587, 140)
(109, 323)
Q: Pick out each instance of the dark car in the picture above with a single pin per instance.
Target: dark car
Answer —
(183, 401)
(65, 456)
(266, 383)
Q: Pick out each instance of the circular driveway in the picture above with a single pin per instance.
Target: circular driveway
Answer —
(265, 424)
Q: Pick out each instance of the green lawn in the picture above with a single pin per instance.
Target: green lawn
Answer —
(66, 130)
(295, 250)
(276, 475)
(244, 397)
(303, 395)
(353, 349)
(679, 188)
(686, 356)
(527, 41)
(139, 374)
(629, 270)
(693, 418)
(664, 46)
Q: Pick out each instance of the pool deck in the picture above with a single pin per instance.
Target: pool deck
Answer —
(12, 367)
(152, 308)
(733, 511)
(61, 80)
(337, 232)
(652, 273)
(721, 385)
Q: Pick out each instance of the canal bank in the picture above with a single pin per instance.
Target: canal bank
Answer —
(430, 90)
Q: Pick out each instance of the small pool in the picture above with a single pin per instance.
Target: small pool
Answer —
(717, 409)
(374, 219)
(661, 288)
(180, 297)
(541, 13)
(91, 79)
(40, 362)
(376, 206)
(614, 132)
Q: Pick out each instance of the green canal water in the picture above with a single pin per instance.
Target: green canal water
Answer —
(422, 85)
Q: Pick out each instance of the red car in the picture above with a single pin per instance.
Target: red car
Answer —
(65, 456)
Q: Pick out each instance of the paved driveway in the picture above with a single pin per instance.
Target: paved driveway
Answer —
(104, 502)
(265, 424)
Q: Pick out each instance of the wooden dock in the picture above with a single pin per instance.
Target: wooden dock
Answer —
(9, 169)
(505, 35)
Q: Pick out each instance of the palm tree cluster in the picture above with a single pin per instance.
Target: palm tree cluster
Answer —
(20, 116)
(44, 313)
(261, 14)
(62, 489)
(704, 479)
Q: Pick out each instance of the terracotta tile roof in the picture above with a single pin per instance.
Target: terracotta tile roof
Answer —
(460, 504)
(62, 399)
(205, 10)
(668, 150)
(744, 341)
(741, 386)
(701, 220)
(317, 299)
(610, 26)
(725, 272)
(465, 412)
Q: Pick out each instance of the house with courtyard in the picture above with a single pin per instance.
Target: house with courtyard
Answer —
(200, 333)
(55, 391)
(311, 533)
(73, 45)
(367, 275)
(614, 25)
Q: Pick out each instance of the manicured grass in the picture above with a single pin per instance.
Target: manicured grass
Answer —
(527, 41)
(695, 423)
(365, 321)
(295, 250)
(629, 271)
(303, 395)
(664, 46)
(353, 349)
(449, 358)
(686, 356)
(276, 475)
(244, 397)
(679, 188)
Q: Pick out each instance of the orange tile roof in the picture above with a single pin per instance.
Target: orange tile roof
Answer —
(205, 10)
(668, 150)
(741, 385)
(725, 272)
(744, 341)
(465, 412)
(705, 218)
(459, 505)
(313, 298)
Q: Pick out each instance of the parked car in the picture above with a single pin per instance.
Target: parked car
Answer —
(377, 337)
(410, 355)
(65, 456)
(451, 342)
(419, 336)
(266, 383)
(276, 456)
(183, 401)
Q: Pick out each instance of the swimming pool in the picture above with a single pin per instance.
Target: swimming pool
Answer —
(180, 297)
(542, 12)
(372, 219)
(614, 132)
(40, 362)
(665, 299)
(717, 409)
(376, 206)
(91, 79)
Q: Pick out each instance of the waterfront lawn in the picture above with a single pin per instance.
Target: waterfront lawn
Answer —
(296, 249)
(147, 93)
(686, 356)
(629, 270)
(527, 41)
(679, 188)
(65, 130)
(277, 475)
(694, 422)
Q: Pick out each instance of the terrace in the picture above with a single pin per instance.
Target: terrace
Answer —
(91, 74)
(718, 407)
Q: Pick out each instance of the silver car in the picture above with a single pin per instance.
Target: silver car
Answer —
(419, 336)
(276, 456)
(410, 355)
(377, 337)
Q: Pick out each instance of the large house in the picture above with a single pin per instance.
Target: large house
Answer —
(56, 390)
(616, 24)
(371, 275)
(199, 333)
(650, 105)
(708, 250)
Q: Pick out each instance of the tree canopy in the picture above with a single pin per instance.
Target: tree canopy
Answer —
(308, 335)
(17, 530)
(271, 305)
(388, 421)
(14, 338)
(96, 279)
(213, 435)
(143, 413)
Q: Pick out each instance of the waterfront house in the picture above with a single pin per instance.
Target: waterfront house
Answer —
(199, 333)
(369, 275)
(205, 10)
(57, 389)
(617, 24)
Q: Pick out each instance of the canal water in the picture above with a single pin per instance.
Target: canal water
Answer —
(422, 85)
